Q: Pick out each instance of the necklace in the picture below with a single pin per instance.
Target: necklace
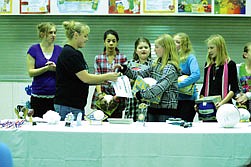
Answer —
(215, 71)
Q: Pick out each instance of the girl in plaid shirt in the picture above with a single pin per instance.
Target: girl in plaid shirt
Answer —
(141, 61)
(165, 69)
(104, 63)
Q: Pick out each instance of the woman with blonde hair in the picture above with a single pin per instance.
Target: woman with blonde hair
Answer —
(165, 70)
(220, 73)
(41, 66)
(72, 76)
(189, 68)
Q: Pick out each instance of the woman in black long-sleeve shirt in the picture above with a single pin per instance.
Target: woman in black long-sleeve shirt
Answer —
(220, 73)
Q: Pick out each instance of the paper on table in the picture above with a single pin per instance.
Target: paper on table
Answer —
(122, 87)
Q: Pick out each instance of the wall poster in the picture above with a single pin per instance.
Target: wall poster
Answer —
(124, 6)
(5, 6)
(77, 6)
(195, 6)
(159, 6)
(34, 6)
(230, 7)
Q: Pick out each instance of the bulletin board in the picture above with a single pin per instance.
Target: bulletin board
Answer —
(128, 7)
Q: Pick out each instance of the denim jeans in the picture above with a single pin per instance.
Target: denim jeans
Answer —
(64, 110)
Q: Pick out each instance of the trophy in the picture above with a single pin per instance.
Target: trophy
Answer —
(21, 111)
(69, 119)
(142, 112)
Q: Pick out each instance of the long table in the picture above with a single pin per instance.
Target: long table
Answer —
(129, 145)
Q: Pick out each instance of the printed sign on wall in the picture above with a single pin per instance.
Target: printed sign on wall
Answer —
(77, 6)
(230, 7)
(5, 6)
(195, 6)
(34, 6)
(124, 6)
(159, 6)
(128, 7)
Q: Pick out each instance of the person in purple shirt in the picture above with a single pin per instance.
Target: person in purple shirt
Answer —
(41, 65)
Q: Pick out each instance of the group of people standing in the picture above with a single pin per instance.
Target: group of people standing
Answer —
(61, 79)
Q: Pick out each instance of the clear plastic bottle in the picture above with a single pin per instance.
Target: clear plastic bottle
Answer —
(79, 119)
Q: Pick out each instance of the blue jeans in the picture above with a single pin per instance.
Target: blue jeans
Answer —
(64, 110)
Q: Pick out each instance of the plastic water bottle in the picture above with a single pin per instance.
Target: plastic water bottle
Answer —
(79, 119)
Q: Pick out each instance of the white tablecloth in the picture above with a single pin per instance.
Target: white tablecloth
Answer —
(133, 145)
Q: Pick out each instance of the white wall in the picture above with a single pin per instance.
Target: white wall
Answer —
(11, 94)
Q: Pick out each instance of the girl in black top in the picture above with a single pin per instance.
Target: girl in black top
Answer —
(72, 77)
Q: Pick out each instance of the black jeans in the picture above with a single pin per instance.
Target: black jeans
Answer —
(186, 110)
(41, 105)
(160, 114)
